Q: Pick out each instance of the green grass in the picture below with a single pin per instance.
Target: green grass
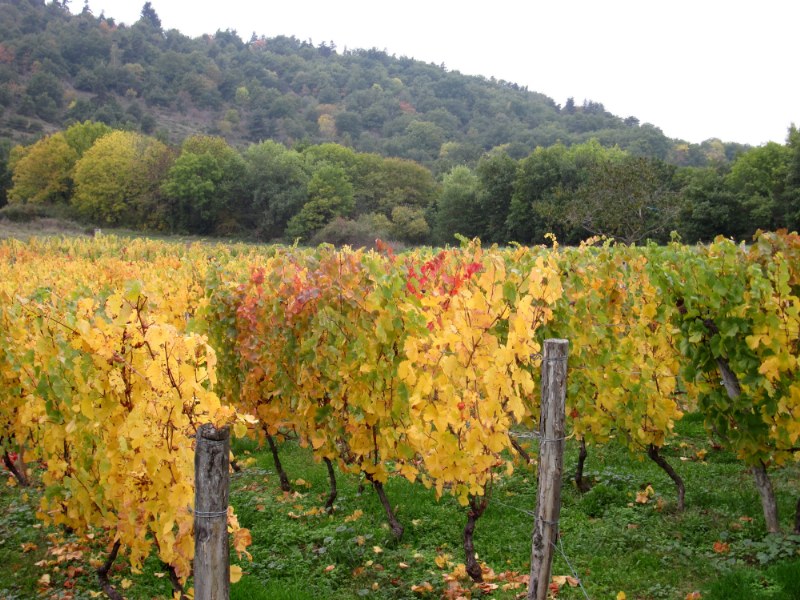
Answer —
(613, 543)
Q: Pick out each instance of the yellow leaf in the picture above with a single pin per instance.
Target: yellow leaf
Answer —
(621, 596)
(125, 584)
(441, 560)
(405, 372)
(355, 516)
(236, 573)
(771, 368)
(423, 588)
(377, 549)
(239, 429)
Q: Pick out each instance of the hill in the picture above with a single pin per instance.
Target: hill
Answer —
(57, 69)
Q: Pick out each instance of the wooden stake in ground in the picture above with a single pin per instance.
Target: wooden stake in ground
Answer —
(211, 553)
(551, 464)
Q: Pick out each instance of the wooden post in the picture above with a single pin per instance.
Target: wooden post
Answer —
(211, 551)
(551, 464)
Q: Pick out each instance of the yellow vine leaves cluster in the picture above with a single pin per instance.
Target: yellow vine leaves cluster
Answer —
(111, 388)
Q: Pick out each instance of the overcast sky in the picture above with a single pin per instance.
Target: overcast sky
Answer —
(695, 68)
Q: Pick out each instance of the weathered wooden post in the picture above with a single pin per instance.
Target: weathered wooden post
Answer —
(551, 463)
(211, 549)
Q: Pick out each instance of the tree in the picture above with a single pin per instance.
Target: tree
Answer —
(496, 176)
(41, 173)
(277, 180)
(759, 178)
(5, 171)
(409, 225)
(330, 195)
(546, 180)
(204, 185)
(149, 16)
(793, 180)
(708, 207)
(82, 136)
(47, 93)
(117, 179)
(457, 210)
(630, 200)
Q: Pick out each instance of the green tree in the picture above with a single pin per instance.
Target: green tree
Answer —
(5, 171)
(204, 186)
(496, 176)
(277, 180)
(759, 178)
(47, 93)
(708, 206)
(546, 181)
(792, 191)
(630, 200)
(82, 136)
(409, 225)
(117, 180)
(330, 195)
(458, 208)
(150, 16)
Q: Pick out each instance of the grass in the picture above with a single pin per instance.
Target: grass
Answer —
(649, 551)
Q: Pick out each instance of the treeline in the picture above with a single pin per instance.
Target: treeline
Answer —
(57, 69)
(331, 193)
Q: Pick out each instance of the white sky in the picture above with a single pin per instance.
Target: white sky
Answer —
(695, 68)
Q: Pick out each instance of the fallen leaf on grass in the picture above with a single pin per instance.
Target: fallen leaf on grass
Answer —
(642, 496)
(29, 547)
(355, 516)
(560, 580)
(722, 547)
(330, 568)
(423, 588)
(441, 560)
(693, 596)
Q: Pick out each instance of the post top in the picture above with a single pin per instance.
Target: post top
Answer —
(209, 432)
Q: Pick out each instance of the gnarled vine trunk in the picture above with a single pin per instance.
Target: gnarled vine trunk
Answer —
(581, 482)
(102, 574)
(332, 479)
(394, 524)
(476, 509)
(652, 452)
(273, 447)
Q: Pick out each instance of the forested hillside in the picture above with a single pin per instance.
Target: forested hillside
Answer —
(282, 139)
(57, 68)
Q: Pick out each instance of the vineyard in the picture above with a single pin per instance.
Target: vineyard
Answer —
(414, 373)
